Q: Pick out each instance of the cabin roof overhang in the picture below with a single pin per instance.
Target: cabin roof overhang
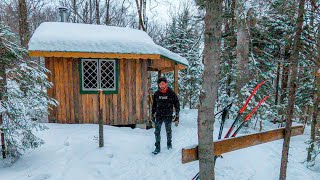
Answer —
(109, 56)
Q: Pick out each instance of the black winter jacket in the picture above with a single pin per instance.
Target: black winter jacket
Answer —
(163, 103)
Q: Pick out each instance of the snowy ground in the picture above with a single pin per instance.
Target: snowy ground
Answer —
(71, 152)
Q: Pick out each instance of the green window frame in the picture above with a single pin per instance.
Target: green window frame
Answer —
(98, 74)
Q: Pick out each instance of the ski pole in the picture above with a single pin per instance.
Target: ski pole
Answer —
(249, 116)
(243, 109)
(223, 119)
(196, 176)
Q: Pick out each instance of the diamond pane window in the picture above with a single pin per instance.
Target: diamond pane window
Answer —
(107, 74)
(90, 74)
(98, 74)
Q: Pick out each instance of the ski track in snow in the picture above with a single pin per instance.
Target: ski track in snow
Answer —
(72, 152)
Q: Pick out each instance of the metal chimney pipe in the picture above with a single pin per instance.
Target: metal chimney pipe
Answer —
(63, 14)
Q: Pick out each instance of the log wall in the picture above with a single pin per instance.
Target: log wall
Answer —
(128, 106)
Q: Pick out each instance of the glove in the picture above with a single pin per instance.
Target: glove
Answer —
(153, 119)
(176, 120)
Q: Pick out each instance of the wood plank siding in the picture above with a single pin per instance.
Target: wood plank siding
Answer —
(128, 106)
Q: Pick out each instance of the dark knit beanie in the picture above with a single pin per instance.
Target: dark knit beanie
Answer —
(164, 79)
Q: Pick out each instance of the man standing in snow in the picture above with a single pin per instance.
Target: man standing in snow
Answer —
(162, 109)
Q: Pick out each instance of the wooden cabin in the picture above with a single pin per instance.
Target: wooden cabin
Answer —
(84, 58)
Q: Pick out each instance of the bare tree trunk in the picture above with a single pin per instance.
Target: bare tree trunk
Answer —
(226, 21)
(3, 82)
(140, 11)
(232, 44)
(277, 89)
(75, 10)
(90, 12)
(97, 12)
(306, 116)
(228, 30)
(284, 81)
(292, 91)
(107, 21)
(23, 24)
(190, 102)
(212, 43)
(277, 84)
(86, 13)
(316, 102)
(144, 13)
(314, 117)
(242, 47)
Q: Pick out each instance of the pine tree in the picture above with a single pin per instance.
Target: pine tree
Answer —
(24, 101)
(183, 38)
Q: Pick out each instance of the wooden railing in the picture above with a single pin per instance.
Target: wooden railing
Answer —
(232, 144)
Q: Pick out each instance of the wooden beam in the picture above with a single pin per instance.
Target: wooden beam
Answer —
(176, 86)
(181, 66)
(167, 70)
(232, 144)
(152, 69)
(92, 55)
(161, 63)
(166, 64)
(170, 69)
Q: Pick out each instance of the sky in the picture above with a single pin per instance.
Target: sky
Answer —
(158, 10)
(162, 9)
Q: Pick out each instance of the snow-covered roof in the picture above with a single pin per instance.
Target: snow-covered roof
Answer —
(75, 37)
